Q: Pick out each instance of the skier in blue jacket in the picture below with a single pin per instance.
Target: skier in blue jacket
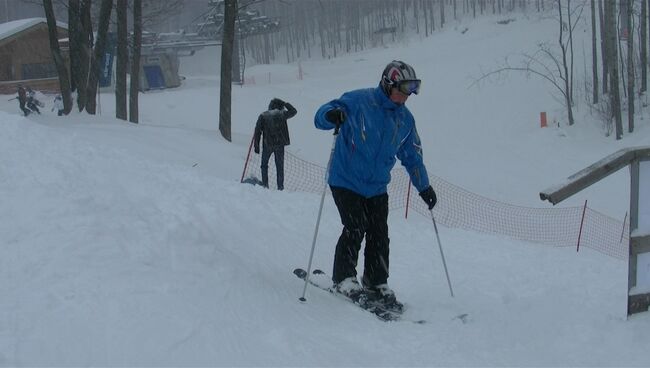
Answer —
(375, 128)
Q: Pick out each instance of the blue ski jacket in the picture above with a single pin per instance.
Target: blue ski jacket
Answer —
(375, 131)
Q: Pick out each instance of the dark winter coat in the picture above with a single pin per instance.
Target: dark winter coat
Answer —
(22, 95)
(375, 132)
(272, 127)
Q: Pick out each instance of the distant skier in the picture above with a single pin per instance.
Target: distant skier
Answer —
(58, 105)
(32, 102)
(272, 128)
(375, 127)
(22, 100)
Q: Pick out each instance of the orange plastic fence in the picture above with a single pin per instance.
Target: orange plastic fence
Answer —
(459, 208)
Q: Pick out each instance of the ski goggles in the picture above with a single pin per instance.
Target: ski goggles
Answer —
(408, 87)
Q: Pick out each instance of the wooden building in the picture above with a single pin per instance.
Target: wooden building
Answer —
(25, 56)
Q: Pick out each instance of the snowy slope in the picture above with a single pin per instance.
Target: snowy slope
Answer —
(132, 245)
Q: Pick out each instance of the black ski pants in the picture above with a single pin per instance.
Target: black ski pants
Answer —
(23, 108)
(32, 106)
(278, 154)
(361, 217)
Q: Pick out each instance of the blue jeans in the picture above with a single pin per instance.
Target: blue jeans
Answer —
(278, 154)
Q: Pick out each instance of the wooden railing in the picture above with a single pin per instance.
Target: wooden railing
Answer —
(638, 294)
(45, 85)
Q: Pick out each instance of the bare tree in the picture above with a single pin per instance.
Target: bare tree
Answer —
(121, 61)
(135, 61)
(603, 46)
(225, 101)
(643, 42)
(567, 79)
(603, 111)
(610, 16)
(80, 36)
(64, 80)
(547, 65)
(630, 68)
(85, 53)
(98, 54)
(159, 11)
(74, 37)
(594, 54)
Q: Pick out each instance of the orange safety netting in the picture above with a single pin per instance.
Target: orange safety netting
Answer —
(459, 208)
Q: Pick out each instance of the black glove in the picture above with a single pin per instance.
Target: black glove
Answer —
(336, 116)
(429, 197)
(257, 150)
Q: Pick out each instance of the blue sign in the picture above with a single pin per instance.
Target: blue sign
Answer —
(106, 63)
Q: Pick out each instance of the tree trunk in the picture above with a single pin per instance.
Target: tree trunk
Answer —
(99, 55)
(74, 42)
(643, 42)
(594, 55)
(612, 62)
(432, 16)
(603, 46)
(565, 77)
(225, 101)
(630, 69)
(134, 85)
(64, 80)
(85, 47)
(121, 61)
(570, 29)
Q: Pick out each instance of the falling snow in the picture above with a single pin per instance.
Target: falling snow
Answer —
(133, 245)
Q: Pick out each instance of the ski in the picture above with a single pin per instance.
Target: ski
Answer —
(362, 301)
(395, 308)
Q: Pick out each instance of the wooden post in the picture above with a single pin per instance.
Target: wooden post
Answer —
(542, 119)
(248, 156)
(623, 231)
(408, 198)
(638, 296)
(638, 299)
(582, 221)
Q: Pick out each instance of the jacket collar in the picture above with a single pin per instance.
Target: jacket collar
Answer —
(385, 102)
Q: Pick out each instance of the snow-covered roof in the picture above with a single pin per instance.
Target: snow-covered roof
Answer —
(9, 29)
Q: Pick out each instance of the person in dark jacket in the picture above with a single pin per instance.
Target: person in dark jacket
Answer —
(32, 102)
(375, 128)
(272, 128)
(22, 100)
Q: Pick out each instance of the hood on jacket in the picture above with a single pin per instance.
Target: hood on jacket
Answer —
(275, 104)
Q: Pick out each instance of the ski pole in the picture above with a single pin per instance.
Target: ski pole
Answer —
(435, 227)
(320, 211)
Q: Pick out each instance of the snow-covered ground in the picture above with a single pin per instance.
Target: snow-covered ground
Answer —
(134, 245)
